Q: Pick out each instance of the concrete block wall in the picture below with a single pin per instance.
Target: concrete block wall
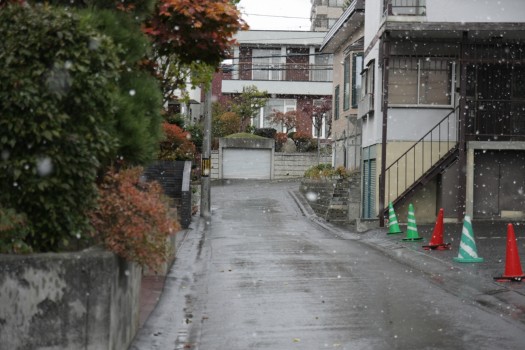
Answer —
(293, 165)
(81, 300)
(285, 166)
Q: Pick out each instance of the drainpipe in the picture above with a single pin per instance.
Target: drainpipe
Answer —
(382, 182)
(462, 125)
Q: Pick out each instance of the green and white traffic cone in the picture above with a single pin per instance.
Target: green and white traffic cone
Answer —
(393, 225)
(412, 234)
(468, 252)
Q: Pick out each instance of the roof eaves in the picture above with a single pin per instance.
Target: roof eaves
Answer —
(356, 6)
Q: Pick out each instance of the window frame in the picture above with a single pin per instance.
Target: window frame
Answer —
(346, 83)
(367, 79)
(262, 120)
(336, 102)
(356, 72)
(323, 126)
(263, 62)
(419, 74)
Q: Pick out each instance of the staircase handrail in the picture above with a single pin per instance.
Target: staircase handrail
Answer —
(413, 149)
(422, 138)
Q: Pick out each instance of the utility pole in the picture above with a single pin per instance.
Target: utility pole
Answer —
(206, 157)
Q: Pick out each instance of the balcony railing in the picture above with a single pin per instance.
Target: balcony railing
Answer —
(421, 159)
(286, 72)
(496, 120)
(405, 7)
(366, 104)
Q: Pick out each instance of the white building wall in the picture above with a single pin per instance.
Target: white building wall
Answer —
(475, 11)
(410, 124)
(280, 87)
(373, 18)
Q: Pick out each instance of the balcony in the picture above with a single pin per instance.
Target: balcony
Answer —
(496, 120)
(300, 71)
(366, 105)
(404, 8)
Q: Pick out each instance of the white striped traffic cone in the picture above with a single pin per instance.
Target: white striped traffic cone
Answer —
(412, 234)
(393, 225)
(468, 252)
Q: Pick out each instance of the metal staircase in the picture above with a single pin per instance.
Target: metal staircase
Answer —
(423, 161)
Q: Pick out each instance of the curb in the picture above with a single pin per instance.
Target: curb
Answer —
(490, 296)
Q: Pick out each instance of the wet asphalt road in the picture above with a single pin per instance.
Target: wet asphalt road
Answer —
(263, 276)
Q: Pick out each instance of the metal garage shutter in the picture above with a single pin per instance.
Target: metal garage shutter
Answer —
(240, 163)
(369, 188)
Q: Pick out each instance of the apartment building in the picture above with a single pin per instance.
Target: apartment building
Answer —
(289, 67)
(442, 108)
(325, 13)
(345, 42)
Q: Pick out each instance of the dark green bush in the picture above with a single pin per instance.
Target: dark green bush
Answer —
(269, 133)
(57, 83)
(138, 97)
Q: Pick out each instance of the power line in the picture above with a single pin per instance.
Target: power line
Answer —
(273, 16)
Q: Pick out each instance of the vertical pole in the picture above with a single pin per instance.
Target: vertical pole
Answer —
(382, 180)
(462, 125)
(206, 157)
(319, 124)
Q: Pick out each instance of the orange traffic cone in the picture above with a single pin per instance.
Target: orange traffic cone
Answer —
(436, 242)
(513, 271)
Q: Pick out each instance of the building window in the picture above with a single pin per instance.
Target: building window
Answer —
(322, 70)
(322, 125)
(336, 3)
(357, 67)
(274, 104)
(321, 21)
(266, 64)
(336, 103)
(346, 83)
(420, 81)
(367, 80)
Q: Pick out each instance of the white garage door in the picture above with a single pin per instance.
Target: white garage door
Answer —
(240, 163)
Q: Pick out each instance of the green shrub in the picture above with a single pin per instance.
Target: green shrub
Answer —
(196, 135)
(57, 80)
(268, 133)
(138, 98)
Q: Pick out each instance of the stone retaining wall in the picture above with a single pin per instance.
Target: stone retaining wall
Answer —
(81, 300)
(336, 201)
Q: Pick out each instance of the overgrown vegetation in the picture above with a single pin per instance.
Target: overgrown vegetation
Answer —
(133, 218)
(177, 144)
(79, 94)
(326, 171)
(13, 232)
